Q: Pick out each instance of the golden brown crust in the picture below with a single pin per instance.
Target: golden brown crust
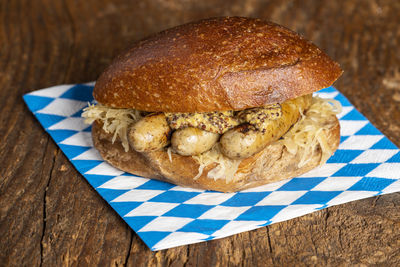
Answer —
(227, 63)
(272, 164)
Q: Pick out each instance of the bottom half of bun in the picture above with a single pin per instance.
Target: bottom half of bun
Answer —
(274, 163)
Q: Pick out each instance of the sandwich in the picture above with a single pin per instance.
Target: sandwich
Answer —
(221, 104)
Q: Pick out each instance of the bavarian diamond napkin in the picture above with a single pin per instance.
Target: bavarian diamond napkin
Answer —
(164, 215)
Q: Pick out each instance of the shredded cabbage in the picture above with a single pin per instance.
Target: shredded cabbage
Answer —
(115, 120)
(225, 169)
(309, 131)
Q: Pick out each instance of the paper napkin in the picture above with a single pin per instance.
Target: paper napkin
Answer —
(164, 215)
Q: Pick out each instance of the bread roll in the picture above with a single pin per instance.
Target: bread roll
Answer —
(218, 64)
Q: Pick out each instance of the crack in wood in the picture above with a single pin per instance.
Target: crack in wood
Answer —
(327, 214)
(375, 200)
(45, 201)
(125, 263)
(270, 246)
(187, 256)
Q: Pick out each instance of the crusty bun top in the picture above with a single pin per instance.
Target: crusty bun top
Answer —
(228, 63)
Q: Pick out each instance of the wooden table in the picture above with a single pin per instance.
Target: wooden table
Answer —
(50, 215)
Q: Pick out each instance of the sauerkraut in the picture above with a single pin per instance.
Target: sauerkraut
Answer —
(225, 169)
(115, 120)
(310, 131)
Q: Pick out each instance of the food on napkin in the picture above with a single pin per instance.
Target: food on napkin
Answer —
(220, 104)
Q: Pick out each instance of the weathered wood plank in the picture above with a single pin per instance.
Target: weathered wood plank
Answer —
(51, 216)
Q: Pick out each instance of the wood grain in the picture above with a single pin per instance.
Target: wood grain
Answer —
(50, 216)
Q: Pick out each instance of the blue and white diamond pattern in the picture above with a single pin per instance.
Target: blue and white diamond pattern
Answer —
(164, 215)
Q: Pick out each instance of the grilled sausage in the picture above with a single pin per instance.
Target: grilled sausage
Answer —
(192, 141)
(151, 133)
(244, 140)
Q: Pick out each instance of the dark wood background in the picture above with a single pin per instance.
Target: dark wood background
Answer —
(50, 216)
